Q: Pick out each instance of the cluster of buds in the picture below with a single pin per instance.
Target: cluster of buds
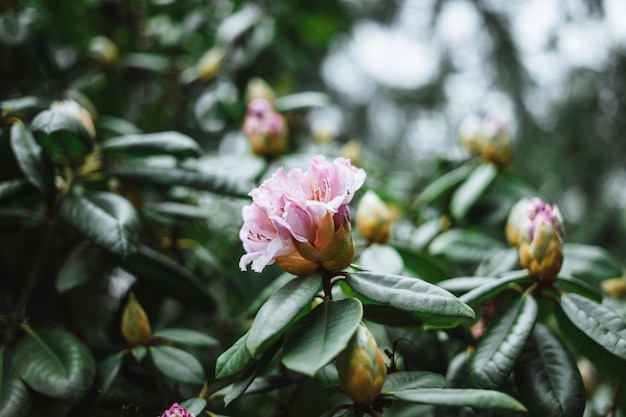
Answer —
(361, 367)
(373, 218)
(536, 229)
(265, 128)
(488, 138)
(176, 410)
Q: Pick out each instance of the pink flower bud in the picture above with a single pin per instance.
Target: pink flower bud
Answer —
(265, 128)
(488, 138)
(177, 411)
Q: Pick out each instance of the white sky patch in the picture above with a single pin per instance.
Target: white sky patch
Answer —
(615, 11)
(342, 74)
(584, 44)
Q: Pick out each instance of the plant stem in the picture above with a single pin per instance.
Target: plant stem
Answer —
(158, 382)
(327, 284)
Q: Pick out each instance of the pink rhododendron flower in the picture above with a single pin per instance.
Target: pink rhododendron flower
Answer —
(300, 220)
(177, 411)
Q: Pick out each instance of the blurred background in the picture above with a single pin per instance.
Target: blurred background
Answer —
(396, 77)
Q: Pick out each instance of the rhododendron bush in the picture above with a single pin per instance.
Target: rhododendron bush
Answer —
(181, 237)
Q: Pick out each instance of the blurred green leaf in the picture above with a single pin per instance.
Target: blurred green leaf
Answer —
(404, 380)
(117, 126)
(464, 247)
(15, 188)
(186, 337)
(319, 336)
(146, 61)
(62, 135)
(233, 360)
(105, 218)
(55, 363)
(501, 345)
(302, 100)
(547, 377)
(162, 143)
(194, 405)
(461, 285)
(444, 184)
(16, 105)
(108, 370)
(15, 397)
(177, 364)
(381, 258)
(499, 262)
(579, 287)
(31, 159)
(472, 189)
(515, 280)
(86, 262)
(589, 262)
(460, 398)
(424, 265)
(139, 352)
(408, 294)
(282, 309)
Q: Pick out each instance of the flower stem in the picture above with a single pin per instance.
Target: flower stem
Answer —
(327, 284)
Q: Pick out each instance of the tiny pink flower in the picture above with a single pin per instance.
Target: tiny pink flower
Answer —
(177, 411)
(301, 220)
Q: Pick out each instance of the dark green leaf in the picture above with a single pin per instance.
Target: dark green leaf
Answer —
(472, 189)
(381, 258)
(233, 360)
(146, 61)
(408, 294)
(267, 292)
(194, 405)
(31, 159)
(177, 364)
(117, 125)
(179, 210)
(88, 261)
(186, 337)
(280, 311)
(15, 188)
(162, 143)
(579, 287)
(404, 380)
(499, 262)
(462, 285)
(60, 134)
(105, 218)
(220, 184)
(517, 279)
(444, 184)
(107, 372)
(589, 262)
(502, 344)
(547, 377)
(139, 352)
(319, 336)
(460, 398)
(173, 279)
(55, 363)
(424, 265)
(15, 397)
(464, 247)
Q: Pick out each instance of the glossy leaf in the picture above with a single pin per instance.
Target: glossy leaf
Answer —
(233, 360)
(462, 285)
(86, 262)
(408, 294)
(319, 336)
(31, 159)
(444, 184)
(162, 143)
(55, 363)
(547, 377)
(499, 262)
(502, 344)
(589, 262)
(105, 218)
(405, 380)
(472, 189)
(381, 258)
(139, 352)
(108, 370)
(220, 184)
(476, 398)
(187, 337)
(280, 311)
(580, 287)
(194, 405)
(518, 279)
(423, 265)
(14, 188)
(60, 134)
(177, 364)
(15, 397)
(464, 247)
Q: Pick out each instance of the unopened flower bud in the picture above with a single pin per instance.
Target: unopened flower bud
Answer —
(210, 63)
(135, 324)
(257, 88)
(470, 133)
(177, 411)
(103, 50)
(361, 367)
(265, 128)
(373, 218)
(540, 240)
(496, 143)
(73, 109)
(615, 287)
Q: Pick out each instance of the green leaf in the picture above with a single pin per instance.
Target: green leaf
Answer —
(233, 360)
(60, 134)
(55, 363)
(472, 189)
(462, 285)
(177, 364)
(139, 352)
(186, 337)
(464, 247)
(405, 380)
(408, 294)
(280, 311)
(302, 100)
(589, 262)
(319, 336)
(220, 184)
(547, 377)
(105, 218)
(15, 188)
(86, 262)
(31, 159)
(501, 345)
(381, 258)
(146, 61)
(194, 405)
(267, 292)
(117, 125)
(579, 287)
(423, 265)
(162, 143)
(15, 397)
(173, 279)
(499, 262)
(18, 104)
(108, 370)
(460, 398)
(516, 280)
(444, 184)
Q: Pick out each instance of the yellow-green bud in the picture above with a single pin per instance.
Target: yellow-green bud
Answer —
(486, 137)
(135, 324)
(210, 63)
(361, 367)
(257, 88)
(103, 50)
(373, 218)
